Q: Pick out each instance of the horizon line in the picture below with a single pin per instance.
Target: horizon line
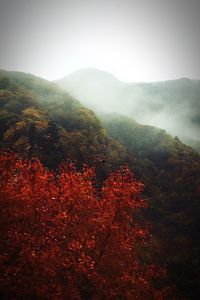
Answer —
(99, 70)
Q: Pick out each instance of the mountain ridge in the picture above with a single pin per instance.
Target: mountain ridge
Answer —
(173, 105)
(33, 108)
(98, 71)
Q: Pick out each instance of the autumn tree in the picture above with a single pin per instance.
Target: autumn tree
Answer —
(64, 238)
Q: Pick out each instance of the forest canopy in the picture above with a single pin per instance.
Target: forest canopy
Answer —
(64, 238)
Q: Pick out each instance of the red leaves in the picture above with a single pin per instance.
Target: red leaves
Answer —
(63, 239)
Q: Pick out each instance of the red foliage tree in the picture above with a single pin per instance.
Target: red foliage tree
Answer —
(64, 239)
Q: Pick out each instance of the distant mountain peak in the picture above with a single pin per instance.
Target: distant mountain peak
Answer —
(173, 105)
(91, 73)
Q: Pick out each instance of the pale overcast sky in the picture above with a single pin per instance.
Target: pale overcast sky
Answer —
(143, 40)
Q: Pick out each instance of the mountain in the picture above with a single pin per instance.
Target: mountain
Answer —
(38, 119)
(97, 89)
(172, 105)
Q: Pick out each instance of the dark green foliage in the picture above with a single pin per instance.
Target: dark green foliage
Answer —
(170, 171)
(4, 84)
(38, 119)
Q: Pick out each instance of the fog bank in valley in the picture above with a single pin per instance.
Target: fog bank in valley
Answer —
(172, 105)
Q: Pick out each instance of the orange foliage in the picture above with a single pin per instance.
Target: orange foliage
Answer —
(62, 238)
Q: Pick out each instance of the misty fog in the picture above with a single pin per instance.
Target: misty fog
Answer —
(172, 105)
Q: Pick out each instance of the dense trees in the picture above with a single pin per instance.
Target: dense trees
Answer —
(170, 171)
(62, 238)
(37, 119)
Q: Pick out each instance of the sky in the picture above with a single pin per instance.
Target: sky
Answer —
(143, 40)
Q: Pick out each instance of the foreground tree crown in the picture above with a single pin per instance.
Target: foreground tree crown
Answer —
(64, 238)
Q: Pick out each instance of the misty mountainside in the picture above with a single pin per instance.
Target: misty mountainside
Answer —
(38, 119)
(172, 105)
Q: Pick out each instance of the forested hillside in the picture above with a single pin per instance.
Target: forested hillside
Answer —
(39, 120)
(170, 171)
(172, 105)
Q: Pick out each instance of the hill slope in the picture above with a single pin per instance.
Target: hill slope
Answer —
(170, 171)
(172, 105)
(36, 118)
